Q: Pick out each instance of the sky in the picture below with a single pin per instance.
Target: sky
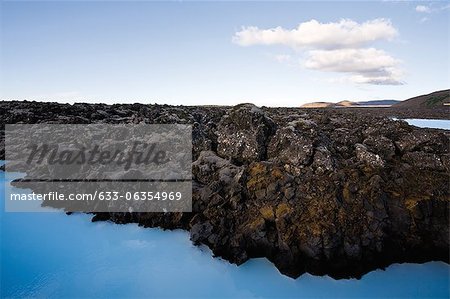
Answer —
(222, 53)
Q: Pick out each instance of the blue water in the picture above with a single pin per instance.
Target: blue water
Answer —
(429, 123)
(55, 255)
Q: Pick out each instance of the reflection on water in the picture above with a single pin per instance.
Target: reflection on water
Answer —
(52, 254)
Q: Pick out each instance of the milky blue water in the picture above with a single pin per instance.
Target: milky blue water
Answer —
(55, 255)
(429, 123)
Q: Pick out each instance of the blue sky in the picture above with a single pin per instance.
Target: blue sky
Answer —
(223, 53)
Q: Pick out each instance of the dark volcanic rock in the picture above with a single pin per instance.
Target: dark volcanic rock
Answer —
(293, 144)
(322, 191)
(243, 133)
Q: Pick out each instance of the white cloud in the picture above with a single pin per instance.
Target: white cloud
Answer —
(375, 80)
(339, 47)
(431, 9)
(423, 8)
(368, 66)
(313, 34)
(349, 60)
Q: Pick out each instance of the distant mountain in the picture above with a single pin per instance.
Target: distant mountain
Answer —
(384, 103)
(379, 102)
(433, 100)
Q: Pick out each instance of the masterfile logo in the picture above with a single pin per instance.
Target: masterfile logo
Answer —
(100, 167)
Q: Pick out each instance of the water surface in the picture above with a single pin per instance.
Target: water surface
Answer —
(429, 123)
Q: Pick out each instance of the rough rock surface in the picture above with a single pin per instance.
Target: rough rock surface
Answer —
(320, 191)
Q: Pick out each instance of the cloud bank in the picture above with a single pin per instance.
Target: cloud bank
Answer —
(339, 47)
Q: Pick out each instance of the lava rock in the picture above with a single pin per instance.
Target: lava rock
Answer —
(326, 191)
(242, 134)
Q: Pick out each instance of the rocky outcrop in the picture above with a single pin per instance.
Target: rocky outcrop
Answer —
(318, 191)
(243, 133)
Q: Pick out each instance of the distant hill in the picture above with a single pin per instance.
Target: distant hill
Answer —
(380, 103)
(346, 104)
(317, 105)
(432, 100)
